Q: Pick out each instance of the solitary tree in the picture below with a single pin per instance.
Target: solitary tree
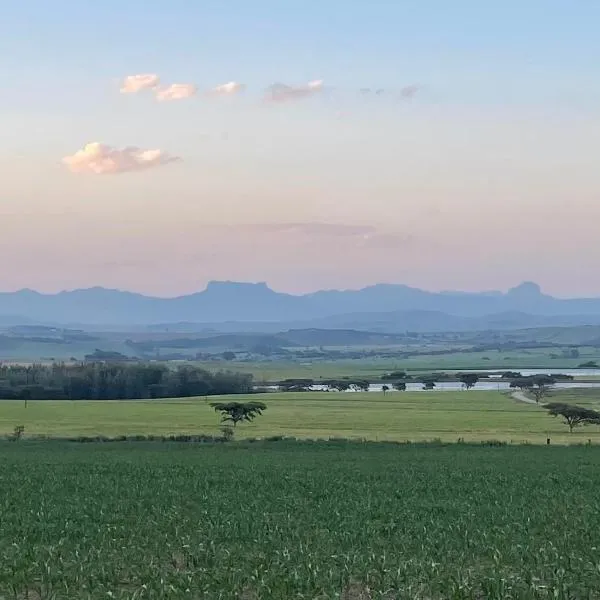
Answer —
(399, 386)
(235, 412)
(469, 379)
(573, 416)
(541, 385)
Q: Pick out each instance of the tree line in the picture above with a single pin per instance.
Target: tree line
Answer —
(106, 381)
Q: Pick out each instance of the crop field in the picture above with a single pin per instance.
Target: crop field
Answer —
(396, 416)
(284, 520)
(375, 367)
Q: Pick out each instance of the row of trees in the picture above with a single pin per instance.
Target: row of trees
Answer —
(337, 385)
(362, 385)
(105, 381)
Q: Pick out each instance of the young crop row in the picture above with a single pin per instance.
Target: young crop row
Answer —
(304, 521)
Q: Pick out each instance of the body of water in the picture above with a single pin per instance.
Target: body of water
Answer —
(527, 372)
(488, 384)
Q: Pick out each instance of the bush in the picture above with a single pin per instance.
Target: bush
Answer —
(227, 433)
(17, 433)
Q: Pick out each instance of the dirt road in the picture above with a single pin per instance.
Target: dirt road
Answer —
(521, 397)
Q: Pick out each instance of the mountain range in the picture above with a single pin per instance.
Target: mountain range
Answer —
(251, 306)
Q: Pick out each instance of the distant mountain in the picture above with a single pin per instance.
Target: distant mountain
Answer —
(421, 321)
(382, 306)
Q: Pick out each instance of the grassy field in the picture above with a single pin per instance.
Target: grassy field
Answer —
(376, 367)
(279, 521)
(415, 416)
(581, 396)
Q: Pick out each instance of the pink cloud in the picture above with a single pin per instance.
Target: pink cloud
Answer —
(228, 89)
(176, 91)
(100, 159)
(280, 92)
(136, 83)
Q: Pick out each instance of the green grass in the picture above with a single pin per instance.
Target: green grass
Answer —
(376, 367)
(588, 397)
(397, 416)
(285, 521)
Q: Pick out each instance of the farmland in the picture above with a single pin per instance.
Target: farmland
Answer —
(396, 416)
(375, 367)
(282, 520)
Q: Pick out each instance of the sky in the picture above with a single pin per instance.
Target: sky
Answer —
(154, 146)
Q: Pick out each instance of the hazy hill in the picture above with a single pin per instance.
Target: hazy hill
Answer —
(406, 307)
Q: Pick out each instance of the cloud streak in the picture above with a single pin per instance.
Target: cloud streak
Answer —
(359, 236)
(132, 84)
(227, 89)
(99, 159)
(315, 229)
(175, 91)
(406, 92)
(280, 92)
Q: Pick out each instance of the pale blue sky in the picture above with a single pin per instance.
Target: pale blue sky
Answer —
(505, 132)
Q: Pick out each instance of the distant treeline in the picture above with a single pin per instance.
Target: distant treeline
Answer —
(104, 381)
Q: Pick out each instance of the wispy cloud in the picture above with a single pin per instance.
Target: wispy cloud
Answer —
(176, 91)
(410, 91)
(406, 92)
(100, 159)
(280, 92)
(227, 89)
(315, 229)
(136, 83)
(357, 236)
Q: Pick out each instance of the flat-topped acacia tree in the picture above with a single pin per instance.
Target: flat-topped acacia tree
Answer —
(573, 416)
(236, 412)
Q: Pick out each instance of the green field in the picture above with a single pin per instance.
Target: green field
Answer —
(414, 416)
(282, 520)
(375, 367)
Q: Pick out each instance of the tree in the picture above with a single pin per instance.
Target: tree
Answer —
(385, 389)
(540, 386)
(236, 412)
(511, 375)
(428, 383)
(339, 385)
(399, 386)
(394, 375)
(522, 383)
(469, 379)
(296, 385)
(228, 355)
(573, 416)
(359, 385)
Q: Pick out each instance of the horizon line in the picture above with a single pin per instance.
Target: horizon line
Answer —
(265, 284)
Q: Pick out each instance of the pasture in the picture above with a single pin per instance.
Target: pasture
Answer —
(374, 367)
(283, 520)
(396, 416)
